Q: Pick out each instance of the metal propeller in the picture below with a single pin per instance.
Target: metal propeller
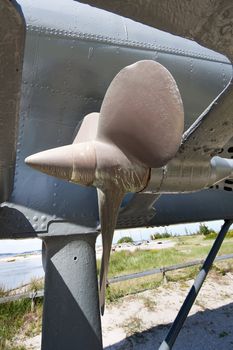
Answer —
(139, 127)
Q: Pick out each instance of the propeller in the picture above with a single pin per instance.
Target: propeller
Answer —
(139, 127)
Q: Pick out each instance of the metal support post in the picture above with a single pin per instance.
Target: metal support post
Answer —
(71, 316)
(173, 333)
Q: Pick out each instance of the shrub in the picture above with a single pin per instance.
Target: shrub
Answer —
(230, 234)
(204, 230)
(160, 235)
(211, 235)
(125, 239)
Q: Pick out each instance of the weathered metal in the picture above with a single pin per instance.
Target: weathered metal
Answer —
(208, 22)
(71, 318)
(190, 175)
(12, 37)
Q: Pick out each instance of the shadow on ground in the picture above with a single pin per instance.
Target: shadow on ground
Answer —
(205, 330)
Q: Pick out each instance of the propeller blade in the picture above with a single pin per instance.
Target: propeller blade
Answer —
(109, 203)
(88, 128)
(142, 113)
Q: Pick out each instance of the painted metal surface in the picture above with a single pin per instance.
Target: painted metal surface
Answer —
(189, 176)
(71, 318)
(71, 55)
(207, 21)
(12, 36)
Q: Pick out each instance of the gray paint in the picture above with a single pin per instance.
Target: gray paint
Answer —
(71, 318)
(207, 21)
(71, 55)
(200, 206)
(12, 36)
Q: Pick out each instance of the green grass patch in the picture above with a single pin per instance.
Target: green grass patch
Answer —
(16, 315)
(187, 248)
(118, 290)
(126, 262)
(230, 234)
(211, 235)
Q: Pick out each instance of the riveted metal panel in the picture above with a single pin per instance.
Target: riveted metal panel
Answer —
(69, 61)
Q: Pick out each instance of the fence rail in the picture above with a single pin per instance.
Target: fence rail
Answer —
(165, 269)
(40, 293)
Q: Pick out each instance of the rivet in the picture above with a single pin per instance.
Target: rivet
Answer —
(43, 226)
(35, 218)
(43, 218)
(35, 226)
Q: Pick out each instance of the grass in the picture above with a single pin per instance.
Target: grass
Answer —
(5, 346)
(36, 284)
(186, 248)
(121, 289)
(148, 303)
(17, 317)
(132, 326)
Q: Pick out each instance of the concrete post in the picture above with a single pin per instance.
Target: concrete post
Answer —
(71, 317)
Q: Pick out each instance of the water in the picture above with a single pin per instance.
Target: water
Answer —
(16, 273)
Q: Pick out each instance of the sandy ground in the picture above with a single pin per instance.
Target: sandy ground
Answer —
(141, 321)
(15, 258)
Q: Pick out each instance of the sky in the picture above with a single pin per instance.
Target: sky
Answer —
(23, 245)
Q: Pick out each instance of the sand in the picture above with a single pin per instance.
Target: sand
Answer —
(23, 257)
(141, 321)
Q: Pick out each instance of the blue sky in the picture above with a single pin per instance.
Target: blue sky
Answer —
(21, 245)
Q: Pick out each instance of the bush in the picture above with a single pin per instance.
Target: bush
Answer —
(204, 230)
(211, 235)
(230, 234)
(160, 235)
(125, 239)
